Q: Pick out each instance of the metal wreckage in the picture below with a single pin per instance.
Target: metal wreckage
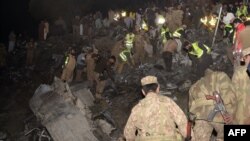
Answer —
(66, 112)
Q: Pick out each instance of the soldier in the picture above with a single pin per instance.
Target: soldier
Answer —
(155, 117)
(31, 46)
(139, 52)
(103, 71)
(241, 81)
(202, 106)
(69, 67)
(90, 66)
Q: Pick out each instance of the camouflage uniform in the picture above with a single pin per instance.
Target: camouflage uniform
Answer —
(154, 119)
(241, 81)
(201, 107)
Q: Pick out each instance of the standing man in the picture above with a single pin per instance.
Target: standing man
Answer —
(12, 41)
(155, 117)
(90, 67)
(241, 81)
(244, 36)
(69, 67)
(31, 46)
(239, 26)
(80, 65)
(202, 102)
(46, 29)
(103, 71)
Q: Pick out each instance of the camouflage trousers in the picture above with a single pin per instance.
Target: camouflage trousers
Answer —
(203, 130)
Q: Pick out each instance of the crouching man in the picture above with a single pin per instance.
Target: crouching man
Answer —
(155, 117)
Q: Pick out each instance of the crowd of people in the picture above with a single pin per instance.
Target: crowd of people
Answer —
(152, 33)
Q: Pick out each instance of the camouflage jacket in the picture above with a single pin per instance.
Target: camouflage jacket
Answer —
(155, 118)
(212, 81)
(241, 81)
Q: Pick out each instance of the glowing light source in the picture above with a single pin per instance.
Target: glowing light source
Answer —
(161, 20)
(124, 14)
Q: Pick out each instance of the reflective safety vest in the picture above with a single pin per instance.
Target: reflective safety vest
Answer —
(212, 21)
(197, 51)
(66, 60)
(238, 12)
(204, 20)
(144, 25)
(163, 34)
(132, 15)
(129, 39)
(228, 29)
(244, 10)
(177, 33)
(124, 55)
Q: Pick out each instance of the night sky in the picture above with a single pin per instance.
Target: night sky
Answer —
(15, 16)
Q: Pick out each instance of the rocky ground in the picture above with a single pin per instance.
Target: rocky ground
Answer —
(18, 83)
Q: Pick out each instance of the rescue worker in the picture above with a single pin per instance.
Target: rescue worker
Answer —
(103, 71)
(241, 81)
(228, 32)
(90, 66)
(125, 57)
(164, 34)
(138, 51)
(202, 104)
(200, 55)
(244, 36)
(80, 66)
(239, 26)
(30, 52)
(69, 67)
(243, 9)
(129, 39)
(167, 54)
(155, 117)
(179, 33)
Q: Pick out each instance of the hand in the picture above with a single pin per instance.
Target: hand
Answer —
(228, 118)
